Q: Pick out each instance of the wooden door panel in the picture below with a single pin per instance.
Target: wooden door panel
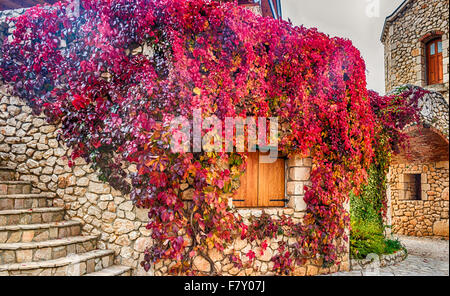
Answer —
(432, 71)
(271, 184)
(434, 62)
(247, 194)
(440, 72)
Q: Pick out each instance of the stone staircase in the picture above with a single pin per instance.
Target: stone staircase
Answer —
(35, 239)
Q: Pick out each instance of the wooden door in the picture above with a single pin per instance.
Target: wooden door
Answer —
(434, 61)
(440, 67)
(262, 185)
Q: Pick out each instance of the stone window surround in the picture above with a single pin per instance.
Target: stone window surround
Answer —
(424, 186)
(436, 204)
(419, 53)
(297, 175)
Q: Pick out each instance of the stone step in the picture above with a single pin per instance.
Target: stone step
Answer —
(39, 232)
(7, 174)
(15, 187)
(114, 270)
(46, 250)
(31, 216)
(24, 201)
(72, 264)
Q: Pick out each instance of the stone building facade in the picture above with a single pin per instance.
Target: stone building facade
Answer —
(29, 148)
(405, 36)
(416, 42)
(418, 179)
(31, 155)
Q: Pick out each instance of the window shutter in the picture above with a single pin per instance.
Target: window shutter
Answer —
(271, 184)
(262, 185)
(247, 194)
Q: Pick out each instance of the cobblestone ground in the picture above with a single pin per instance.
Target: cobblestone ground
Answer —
(426, 257)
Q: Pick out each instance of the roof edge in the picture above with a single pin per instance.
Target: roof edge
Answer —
(390, 18)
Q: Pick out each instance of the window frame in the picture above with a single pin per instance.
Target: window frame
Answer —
(434, 62)
(243, 203)
(416, 179)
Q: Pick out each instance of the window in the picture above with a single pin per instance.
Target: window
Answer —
(434, 61)
(413, 190)
(262, 185)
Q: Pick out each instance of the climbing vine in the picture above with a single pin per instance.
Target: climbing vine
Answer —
(115, 75)
(368, 209)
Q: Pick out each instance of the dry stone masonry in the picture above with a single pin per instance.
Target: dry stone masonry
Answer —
(427, 216)
(418, 183)
(404, 36)
(418, 179)
(34, 237)
(376, 261)
(33, 156)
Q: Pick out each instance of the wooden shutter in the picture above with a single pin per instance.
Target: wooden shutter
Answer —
(247, 194)
(262, 185)
(271, 184)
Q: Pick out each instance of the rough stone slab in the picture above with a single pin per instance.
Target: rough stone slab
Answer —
(24, 201)
(25, 211)
(115, 270)
(46, 244)
(60, 262)
(40, 226)
(27, 195)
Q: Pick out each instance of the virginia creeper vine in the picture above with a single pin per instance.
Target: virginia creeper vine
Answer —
(114, 101)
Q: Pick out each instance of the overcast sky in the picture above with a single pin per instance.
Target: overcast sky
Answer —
(361, 21)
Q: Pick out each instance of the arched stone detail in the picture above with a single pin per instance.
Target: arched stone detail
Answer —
(434, 110)
(431, 35)
(429, 159)
(421, 59)
(425, 144)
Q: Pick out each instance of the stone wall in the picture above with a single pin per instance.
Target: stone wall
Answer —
(371, 264)
(429, 215)
(29, 145)
(426, 156)
(404, 37)
(297, 176)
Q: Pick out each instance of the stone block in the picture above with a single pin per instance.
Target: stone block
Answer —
(442, 165)
(441, 228)
(294, 188)
(423, 178)
(295, 161)
(142, 214)
(297, 203)
(99, 188)
(312, 270)
(24, 256)
(299, 173)
(444, 194)
(201, 264)
(142, 243)
(426, 187)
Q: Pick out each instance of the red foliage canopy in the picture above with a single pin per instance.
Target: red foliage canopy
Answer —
(114, 104)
